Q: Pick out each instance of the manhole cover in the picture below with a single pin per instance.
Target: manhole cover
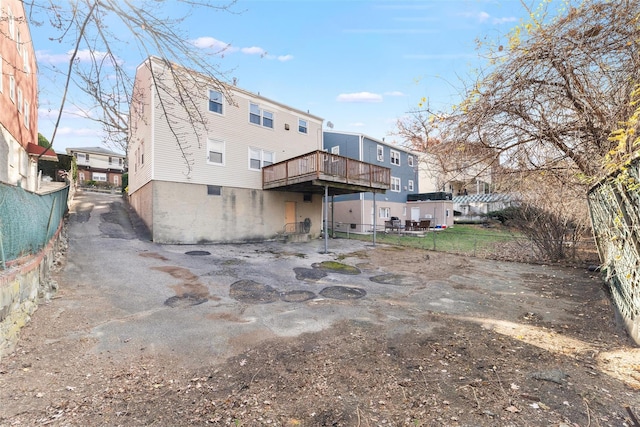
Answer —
(309, 273)
(343, 292)
(297, 296)
(252, 292)
(396, 280)
(199, 253)
(185, 300)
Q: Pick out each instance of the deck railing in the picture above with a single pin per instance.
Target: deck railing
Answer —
(325, 166)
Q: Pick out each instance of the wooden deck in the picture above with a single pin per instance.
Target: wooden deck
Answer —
(312, 172)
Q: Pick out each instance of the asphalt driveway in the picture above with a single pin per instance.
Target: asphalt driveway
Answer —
(216, 299)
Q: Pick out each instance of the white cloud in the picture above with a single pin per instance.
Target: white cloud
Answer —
(224, 48)
(483, 16)
(359, 97)
(394, 93)
(83, 55)
(213, 44)
(72, 131)
(254, 50)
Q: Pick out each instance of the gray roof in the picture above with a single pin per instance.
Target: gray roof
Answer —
(94, 150)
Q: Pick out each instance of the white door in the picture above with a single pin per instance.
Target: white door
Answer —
(415, 214)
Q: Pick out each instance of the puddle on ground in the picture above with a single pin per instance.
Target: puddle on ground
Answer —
(396, 280)
(253, 292)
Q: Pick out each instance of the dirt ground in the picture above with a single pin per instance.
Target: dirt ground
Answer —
(580, 370)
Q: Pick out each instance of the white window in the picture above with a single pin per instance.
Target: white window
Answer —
(410, 184)
(380, 153)
(384, 213)
(395, 157)
(303, 127)
(215, 152)
(19, 100)
(335, 149)
(260, 158)
(410, 160)
(12, 88)
(26, 115)
(99, 176)
(19, 42)
(215, 101)
(12, 24)
(395, 184)
(259, 116)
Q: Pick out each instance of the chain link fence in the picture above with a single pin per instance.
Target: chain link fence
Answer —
(28, 220)
(614, 207)
(482, 241)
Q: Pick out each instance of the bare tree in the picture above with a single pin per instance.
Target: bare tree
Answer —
(551, 97)
(558, 91)
(98, 31)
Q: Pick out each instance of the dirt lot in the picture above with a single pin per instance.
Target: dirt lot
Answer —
(577, 371)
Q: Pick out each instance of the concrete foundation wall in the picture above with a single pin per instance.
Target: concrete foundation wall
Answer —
(142, 202)
(188, 214)
(25, 284)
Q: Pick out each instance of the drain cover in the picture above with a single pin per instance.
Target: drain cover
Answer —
(297, 296)
(252, 292)
(343, 292)
(185, 300)
(200, 253)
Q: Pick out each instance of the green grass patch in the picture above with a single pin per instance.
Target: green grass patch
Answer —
(466, 239)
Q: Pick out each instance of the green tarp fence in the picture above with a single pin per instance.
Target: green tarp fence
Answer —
(28, 220)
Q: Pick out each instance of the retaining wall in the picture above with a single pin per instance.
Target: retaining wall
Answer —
(26, 283)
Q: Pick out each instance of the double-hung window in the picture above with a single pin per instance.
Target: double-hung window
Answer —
(12, 88)
(215, 152)
(410, 185)
(303, 126)
(395, 184)
(215, 101)
(259, 116)
(260, 158)
(395, 157)
(380, 153)
(384, 213)
(26, 115)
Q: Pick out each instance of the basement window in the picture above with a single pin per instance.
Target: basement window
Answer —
(214, 190)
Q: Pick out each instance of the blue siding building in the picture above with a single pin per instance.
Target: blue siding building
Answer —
(355, 212)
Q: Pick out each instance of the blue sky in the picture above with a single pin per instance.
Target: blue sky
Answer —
(360, 64)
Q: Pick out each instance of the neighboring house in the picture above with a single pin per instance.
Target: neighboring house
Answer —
(19, 150)
(463, 177)
(356, 212)
(473, 207)
(210, 162)
(99, 165)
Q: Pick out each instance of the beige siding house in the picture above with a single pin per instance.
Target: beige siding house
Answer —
(196, 153)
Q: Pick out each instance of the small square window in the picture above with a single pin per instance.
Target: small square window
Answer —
(214, 190)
